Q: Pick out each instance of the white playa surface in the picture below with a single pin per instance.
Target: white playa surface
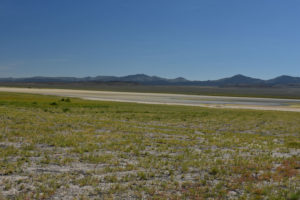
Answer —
(170, 99)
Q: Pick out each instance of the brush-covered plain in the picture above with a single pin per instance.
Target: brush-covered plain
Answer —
(61, 148)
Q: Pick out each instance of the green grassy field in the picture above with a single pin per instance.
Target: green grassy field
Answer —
(53, 147)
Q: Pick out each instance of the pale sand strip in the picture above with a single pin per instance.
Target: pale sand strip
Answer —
(169, 99)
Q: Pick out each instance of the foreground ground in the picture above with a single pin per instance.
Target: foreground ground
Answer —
(60, 148)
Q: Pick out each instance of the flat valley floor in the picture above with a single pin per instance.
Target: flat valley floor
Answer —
(170, 99)
(67, 148)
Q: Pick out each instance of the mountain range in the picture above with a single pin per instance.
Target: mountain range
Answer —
(237, 80)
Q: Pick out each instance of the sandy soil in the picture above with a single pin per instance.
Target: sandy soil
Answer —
(170, 99)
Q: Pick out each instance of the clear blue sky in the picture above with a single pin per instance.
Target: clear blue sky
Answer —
(196, 39)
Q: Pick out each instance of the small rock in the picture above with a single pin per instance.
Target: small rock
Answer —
(198, 133)
(232, 193)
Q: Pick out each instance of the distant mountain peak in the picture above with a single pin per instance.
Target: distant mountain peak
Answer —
(284, 80)
(238, 79)
(240, 76)
(137, 75)
(284, 76)
(180, 79)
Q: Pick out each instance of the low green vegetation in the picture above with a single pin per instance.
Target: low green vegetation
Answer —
(53, 147)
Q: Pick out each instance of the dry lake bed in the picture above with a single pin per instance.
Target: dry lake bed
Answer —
(170, 99)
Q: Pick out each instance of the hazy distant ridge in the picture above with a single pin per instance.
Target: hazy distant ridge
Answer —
(237, 80)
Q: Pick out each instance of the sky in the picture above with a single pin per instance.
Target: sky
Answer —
(195, 39)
